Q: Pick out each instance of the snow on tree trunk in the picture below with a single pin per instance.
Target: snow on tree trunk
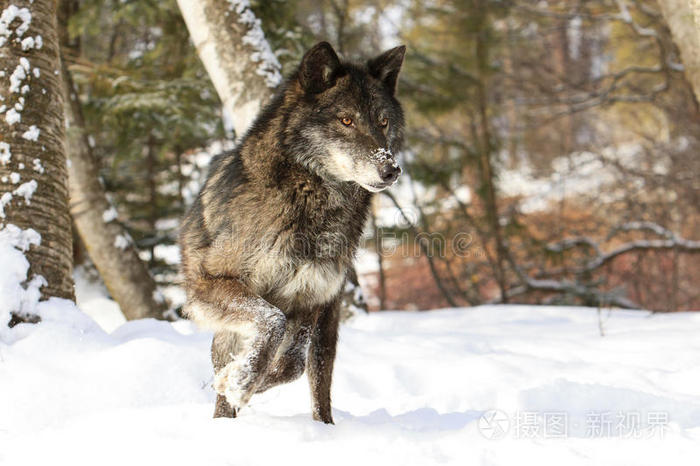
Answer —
(236, 55)
(33, 172)
(683, 18)
(110, 247)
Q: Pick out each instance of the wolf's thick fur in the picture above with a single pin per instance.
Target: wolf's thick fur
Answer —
(267, 244)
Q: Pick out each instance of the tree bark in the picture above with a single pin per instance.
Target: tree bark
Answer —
(124, 273)
(683, 19)
(33, 178)
(236, 55)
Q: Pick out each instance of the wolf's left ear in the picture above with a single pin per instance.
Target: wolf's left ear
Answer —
(319, 68)
(386, 66)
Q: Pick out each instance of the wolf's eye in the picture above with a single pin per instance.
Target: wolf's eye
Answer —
(383, 122)
(346, 121)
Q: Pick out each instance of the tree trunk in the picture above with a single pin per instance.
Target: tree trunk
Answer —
(683, 19)
(33, 178)
(380, 262)
(236, 55)
(124, 274)
(487, 151)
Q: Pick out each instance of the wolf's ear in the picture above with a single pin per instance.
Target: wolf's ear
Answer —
(386, 66)
(319, 68)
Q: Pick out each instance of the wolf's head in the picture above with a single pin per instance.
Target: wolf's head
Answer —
(349, 125)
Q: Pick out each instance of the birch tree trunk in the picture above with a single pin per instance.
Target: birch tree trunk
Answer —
(244, 71)
(33, 174)
(236, 55)
(109, 246)
(683, 18)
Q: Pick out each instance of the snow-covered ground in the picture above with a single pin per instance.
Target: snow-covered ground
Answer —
(493, 385)
(410, 388)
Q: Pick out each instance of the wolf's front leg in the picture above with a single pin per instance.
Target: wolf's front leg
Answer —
(249, 331)
(320, 360)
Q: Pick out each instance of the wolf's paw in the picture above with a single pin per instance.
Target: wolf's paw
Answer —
(234, 382)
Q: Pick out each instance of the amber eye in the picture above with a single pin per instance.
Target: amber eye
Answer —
(383, 122)
(346, 121)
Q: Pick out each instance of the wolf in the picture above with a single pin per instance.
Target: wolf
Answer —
(268, 242)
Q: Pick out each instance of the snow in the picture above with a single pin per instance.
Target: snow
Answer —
(409, 388)
(93, 299)
(31, 43)
(5, 153)
(170, 253)
(109, 214)
(573, 34)
(19, 74)
(13, 296)
(268, 65)
(32, 134)
(5, 199)
(12, 116)
(577, 174)
(26, 190)
(38, 167)
(8, 16)
(121, 242)
(366, 261)
(27, 43)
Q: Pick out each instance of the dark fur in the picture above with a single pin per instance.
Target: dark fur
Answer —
(269, 240)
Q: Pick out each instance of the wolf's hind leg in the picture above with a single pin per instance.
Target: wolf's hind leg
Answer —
(249, 332)
(321, 356)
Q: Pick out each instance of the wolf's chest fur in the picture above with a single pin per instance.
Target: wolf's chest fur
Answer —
(291, 241)
(285, 280)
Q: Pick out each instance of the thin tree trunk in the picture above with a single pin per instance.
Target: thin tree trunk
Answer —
(380, 263)
(683, 18)
(180, 177)
(152, 196)
(486, 168)
(109, 246)
(33, 179)
(124, 274)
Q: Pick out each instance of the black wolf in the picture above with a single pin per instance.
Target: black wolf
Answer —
(268, 242)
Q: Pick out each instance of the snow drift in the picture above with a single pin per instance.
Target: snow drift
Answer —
(461, 386)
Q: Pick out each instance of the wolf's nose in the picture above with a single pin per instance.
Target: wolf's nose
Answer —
(389, 173)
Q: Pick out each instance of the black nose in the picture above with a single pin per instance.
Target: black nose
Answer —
(389, 173)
